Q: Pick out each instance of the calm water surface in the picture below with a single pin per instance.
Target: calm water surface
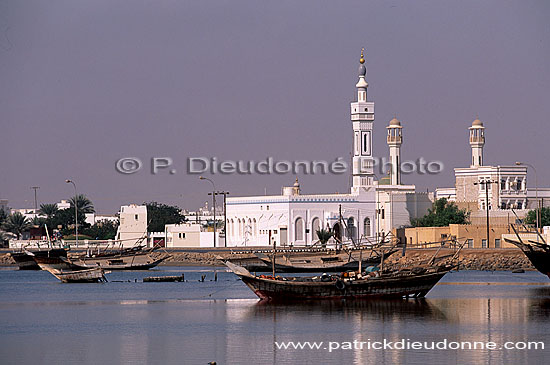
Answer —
(44, 321)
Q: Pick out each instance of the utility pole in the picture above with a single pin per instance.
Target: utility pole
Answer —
(35, 200)
(214, 204)
(213, 193)
(486, 183)
(225, 194)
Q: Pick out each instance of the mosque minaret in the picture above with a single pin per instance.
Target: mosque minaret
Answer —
(477, 141)
(395, 139)
(362, 118)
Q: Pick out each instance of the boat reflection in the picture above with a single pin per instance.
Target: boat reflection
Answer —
(398, 309)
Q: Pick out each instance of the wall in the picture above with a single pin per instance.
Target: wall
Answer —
(461, 232)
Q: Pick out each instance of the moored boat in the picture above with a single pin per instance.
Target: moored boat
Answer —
(538, 252)
(93, 275)
(123, 261)
(25, 259)
(415, 282)
(313, 264)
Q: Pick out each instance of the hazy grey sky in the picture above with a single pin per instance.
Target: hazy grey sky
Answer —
(84, 83)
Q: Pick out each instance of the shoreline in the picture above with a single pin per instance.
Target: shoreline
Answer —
(470, 259)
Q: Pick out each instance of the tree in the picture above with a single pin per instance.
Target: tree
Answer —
(83, 204)
(324, 235)
(544, 215)
(102, 230)
(442, 214)
(160, 215)
(3, 215)
(17, 223)
(63, 219)
(48, 210)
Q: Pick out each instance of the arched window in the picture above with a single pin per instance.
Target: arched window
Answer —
(315, 226)
(299, 229)
(366, 227)
(350, 227)
(254, 228)
(231, 228)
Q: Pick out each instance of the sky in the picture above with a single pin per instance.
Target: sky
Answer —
(86, 83)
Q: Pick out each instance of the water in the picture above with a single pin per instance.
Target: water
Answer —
(44, 321)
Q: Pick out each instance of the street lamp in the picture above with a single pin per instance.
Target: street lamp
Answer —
(486, 183)
(213, 203)
(75, 210)
(536, 192)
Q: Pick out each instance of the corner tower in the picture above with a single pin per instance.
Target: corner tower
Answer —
(362, 118)
(477, 141)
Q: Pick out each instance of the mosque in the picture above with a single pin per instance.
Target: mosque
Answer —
(369, 211)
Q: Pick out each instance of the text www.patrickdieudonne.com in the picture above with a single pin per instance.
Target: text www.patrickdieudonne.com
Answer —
(407, 344)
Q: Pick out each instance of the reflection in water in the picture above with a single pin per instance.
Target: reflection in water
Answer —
(115, 323)
(381, 309)
(539, 304)
(431, 320)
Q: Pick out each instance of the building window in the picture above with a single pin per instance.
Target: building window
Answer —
(497, 243)
(136, 217)
(502, 184)
(299, 229)
(350, 227)
(315, 225)
(366, 227)
(483, 243)
(520, 205)
(470, 243)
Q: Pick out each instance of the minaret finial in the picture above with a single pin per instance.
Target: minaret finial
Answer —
(362, 59)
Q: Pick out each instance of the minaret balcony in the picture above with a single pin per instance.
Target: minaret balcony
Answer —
(362, 117)
(395, 139)
(477, 139)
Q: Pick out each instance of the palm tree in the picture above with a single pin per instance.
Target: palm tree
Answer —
(83, 204)
(324, 235)
(48, 210)
(17, 223)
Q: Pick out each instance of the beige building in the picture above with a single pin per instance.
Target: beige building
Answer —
(506, 185)
(474, 234)
(183, 235)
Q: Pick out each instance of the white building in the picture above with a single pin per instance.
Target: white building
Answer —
(507, 187)
(93, 218)
(133, 224)
(370, 209)
(189, 235)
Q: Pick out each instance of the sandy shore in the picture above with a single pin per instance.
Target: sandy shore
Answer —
(471, 259)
